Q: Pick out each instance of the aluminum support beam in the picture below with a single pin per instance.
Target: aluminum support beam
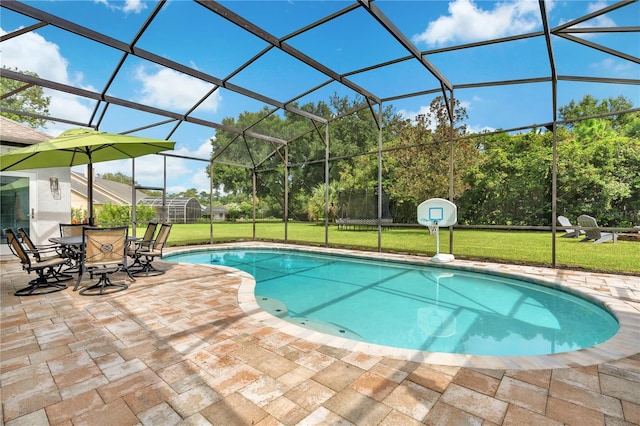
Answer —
(554, 105)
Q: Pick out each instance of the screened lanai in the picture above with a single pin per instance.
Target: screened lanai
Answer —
(287, 100)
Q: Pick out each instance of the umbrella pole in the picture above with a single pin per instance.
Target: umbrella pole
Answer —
(90, 193)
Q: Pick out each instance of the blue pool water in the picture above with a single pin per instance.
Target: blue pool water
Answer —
(415, 306)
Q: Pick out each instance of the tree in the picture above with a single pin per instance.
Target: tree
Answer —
(316, 207)
(599, 174)
(202, 196)
(417, 163)
(117, 177)
(114, 215)
(511, 182)
(237, 155)
(24, 98)
(590, 106)
(237, 211)
(632, 129)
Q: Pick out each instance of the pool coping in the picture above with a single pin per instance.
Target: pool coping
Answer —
(591, 286)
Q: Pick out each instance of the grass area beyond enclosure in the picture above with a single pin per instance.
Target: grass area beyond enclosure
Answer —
(521, 247)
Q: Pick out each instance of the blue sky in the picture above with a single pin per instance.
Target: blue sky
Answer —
(189, 34)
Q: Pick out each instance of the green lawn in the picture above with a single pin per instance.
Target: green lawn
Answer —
(522, 247)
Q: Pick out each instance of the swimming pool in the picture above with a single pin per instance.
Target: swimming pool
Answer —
(415, 306)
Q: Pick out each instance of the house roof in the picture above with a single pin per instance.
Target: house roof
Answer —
(104, 191)
(17, 134)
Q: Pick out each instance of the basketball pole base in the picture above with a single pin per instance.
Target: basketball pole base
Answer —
(443, 258)
(440, 257)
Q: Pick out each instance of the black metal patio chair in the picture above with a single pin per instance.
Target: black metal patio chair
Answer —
(145, 254)
(104, 252)
(40, 251)
(48, 269)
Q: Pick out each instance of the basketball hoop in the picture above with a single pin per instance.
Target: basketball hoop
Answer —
(436, 212)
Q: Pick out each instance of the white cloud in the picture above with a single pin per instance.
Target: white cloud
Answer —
(467, 22)
(167, 88)
(32, 52)
(189, 173)
(480, 129)
(203, 151)
(467, 104)
(619, 68)
(133, 6)
(201, 180)
(599, 21)
(411, 115)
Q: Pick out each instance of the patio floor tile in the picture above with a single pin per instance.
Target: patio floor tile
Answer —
(338, 375)
(431, 378)
(235, 409)
(286, 411)
(193, 400)
(116, 412)
(373, 386)
(517, 416)
(569, 413)
(443, 414)
(585, 398)
(412, 399)
(631, 412)
(148, 397)
(523, 394)
(357, 408)
(476, 403)
(323, 416)
(476, 380)
(74, 407)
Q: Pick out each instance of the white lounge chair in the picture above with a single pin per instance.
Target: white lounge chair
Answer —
(569, 231)
(594, 233)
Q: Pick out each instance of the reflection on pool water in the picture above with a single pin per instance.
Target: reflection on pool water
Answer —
(415, 306)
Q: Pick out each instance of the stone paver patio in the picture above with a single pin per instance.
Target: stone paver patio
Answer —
(190, 347)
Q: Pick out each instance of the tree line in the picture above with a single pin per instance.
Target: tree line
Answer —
(499, 178)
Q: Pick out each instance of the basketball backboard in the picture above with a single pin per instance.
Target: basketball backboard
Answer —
(437, 211)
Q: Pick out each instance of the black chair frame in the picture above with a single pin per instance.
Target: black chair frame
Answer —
(48, 269)
(104, 252)
(144, 254)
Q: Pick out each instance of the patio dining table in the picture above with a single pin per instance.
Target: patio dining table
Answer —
(70, 241)
(71, 248)
(76, 240)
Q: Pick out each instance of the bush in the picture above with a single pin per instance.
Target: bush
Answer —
(114, 215)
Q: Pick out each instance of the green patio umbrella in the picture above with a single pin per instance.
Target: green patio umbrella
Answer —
(81, 146)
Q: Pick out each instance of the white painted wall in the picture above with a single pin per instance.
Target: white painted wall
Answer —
(49, 212)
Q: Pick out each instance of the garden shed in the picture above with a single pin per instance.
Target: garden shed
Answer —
(176, 209)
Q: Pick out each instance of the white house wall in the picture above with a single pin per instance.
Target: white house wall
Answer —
(49, 212)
